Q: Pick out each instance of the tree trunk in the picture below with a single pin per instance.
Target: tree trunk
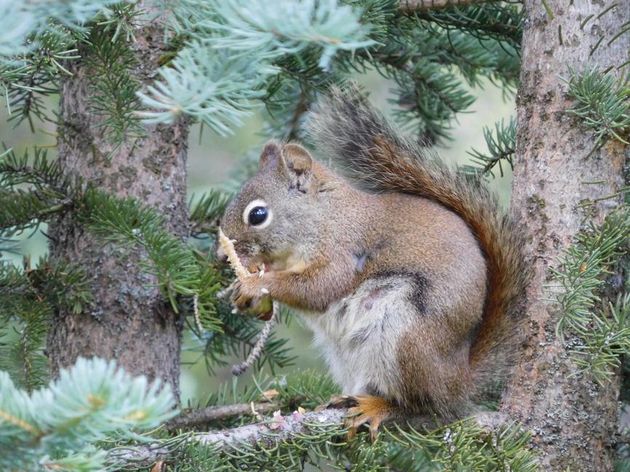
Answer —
(572, 419)
(129, 321)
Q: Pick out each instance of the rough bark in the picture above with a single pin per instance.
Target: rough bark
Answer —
(571, 418)
(193, 418)
(417, 5)
(129, 321)
(270, 433)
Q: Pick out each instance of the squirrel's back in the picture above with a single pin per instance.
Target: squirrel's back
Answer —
(369, 152)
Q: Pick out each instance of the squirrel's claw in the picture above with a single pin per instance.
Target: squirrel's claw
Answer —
(363, 409)
(369, 409)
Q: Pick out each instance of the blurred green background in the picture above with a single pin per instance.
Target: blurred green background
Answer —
(212, 162)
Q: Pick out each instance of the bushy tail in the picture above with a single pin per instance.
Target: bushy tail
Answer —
(366, 148)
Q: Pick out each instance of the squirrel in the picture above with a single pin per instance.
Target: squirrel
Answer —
(408, 273)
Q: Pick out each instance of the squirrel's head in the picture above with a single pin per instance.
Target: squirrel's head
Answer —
(274, 217)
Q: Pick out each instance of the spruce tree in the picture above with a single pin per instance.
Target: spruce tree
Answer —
(130, 268)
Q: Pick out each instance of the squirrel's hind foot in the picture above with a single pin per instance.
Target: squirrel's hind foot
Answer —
(363, 409)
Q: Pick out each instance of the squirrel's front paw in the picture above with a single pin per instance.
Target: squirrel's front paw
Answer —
(250, 297)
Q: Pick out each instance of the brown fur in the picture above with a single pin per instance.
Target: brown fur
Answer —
(494, 234)
(418, 263)
(374, 156)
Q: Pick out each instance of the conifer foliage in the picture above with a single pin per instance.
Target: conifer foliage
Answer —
(59, 427)
(223, 61)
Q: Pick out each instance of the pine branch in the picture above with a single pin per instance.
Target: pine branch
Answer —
(489, 436)
(493, 20)
(286, 442)
(222, 72)
(191, 418)
(19, 21)
(38, 171)
(211, 85)
(63, 423)
(268, 434)
(595, 336)
(231, 61)
(602, 103)
(582, 270)
(277, 429)
(288, 27)
(286, 105)
(206, 211)
(180, 271)
(230, 407)
(295, 122)
(601, 352)
(48, 191)
(13, 282)
(36, 38)
(434, 96)
(113, 89)
(121, 19)
(21, 346)
(409, 6)
(486, 441)
(27, 81)
(501, 148)
(237, 338)
(57, 285)
(7, 245)
(28, 299)
(22, 210)
(431, 90)
(63, 284)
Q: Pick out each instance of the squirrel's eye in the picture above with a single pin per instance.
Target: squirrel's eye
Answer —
(257, 214)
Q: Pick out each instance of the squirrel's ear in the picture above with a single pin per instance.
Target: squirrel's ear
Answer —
(298, 164)
(270, 156)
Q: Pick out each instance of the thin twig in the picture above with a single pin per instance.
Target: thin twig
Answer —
(410, 6)
(300, 109)
(188, 419)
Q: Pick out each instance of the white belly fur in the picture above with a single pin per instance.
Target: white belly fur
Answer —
(358, 335)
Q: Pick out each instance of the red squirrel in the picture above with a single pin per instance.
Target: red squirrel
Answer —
(408, 273)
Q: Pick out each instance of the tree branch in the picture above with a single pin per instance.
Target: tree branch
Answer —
(269, 433)
(188, 419)
(410, 6)
(301, 108)
(274, 430)
(266, 434)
